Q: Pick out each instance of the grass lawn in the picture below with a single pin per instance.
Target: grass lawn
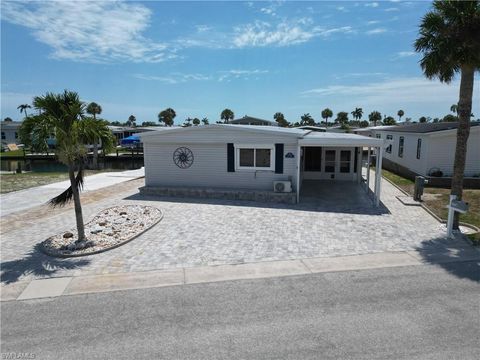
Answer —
(437, 199)
(15, 182)
(6, 154)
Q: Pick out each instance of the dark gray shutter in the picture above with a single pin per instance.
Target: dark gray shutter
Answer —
(279, 158)
(355, 163)
(230, 158)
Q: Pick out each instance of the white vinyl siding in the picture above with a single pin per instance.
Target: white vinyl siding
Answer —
(209, 169)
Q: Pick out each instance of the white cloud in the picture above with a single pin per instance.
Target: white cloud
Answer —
(174, 78)
(238, 74)
(223, 75)
(376, 31)
(392, 91)
(372, 22)
(402, 54)
(285, 33)
(89, 31)
(391, 9)
(203, 28)
(373, 4)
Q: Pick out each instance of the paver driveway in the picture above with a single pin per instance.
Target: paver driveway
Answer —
(195, 233)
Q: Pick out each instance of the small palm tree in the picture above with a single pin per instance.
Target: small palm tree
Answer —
(454, 108)
(227, 115)
(166, 116)
(94, 109)
(357, 113)
(400, 113)
(449, 42)
(23, 108)
(307, 119)
(374, 117)
(280, 119)
(326, 113)
(196, 121)
(205, 121)
(63, 116)
(131, 120)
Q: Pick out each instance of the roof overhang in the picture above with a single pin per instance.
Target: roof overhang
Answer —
(339, 140)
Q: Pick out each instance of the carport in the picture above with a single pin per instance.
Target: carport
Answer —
(333, 158)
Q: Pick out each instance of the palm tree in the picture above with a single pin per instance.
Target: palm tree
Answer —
(94, 109)
(375, 116)
(166, 116)
(342, 117)
(196, 121)
(227, 115)
(454, 108)
(63, 116)
(449, 42)
(326, 113)
(307, 119)
(357, 113)
(389, 120)
(23, 108)
(280, 119)
(205, 121)
(131, 120)
(400, 113)
(187, 122)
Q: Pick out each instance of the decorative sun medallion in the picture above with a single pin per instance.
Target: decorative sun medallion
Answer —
(183, 157)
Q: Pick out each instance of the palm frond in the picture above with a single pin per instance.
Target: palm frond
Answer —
(67, 196)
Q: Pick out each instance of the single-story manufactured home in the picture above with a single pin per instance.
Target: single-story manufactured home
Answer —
(428, 148)
(254, 162)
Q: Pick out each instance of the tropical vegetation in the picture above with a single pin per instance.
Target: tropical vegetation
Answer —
(449, 42)
(167, 116)
(226, 115)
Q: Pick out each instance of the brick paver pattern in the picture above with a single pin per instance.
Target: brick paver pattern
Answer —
(200, 232)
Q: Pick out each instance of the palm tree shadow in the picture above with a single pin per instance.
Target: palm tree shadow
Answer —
(38, 264)
(457, 257)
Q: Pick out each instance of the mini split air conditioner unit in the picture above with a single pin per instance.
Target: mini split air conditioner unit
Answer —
(282, 186)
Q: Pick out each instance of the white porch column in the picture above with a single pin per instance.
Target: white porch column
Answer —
(299, 153)
(359, 164)
(368, 168)
(378, 175)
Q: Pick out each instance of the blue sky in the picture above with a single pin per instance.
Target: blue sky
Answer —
(255, 58)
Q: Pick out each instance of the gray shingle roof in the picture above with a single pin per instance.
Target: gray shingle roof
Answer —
(423, 128)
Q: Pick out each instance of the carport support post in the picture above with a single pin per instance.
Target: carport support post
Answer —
(359, 164)
(368, 168)
(378, 175)
(299, 149)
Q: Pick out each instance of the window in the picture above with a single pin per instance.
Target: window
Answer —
(16, 135)
(378, 136)
(330, 161)
(345, 161)
(400, 146)
(254, 157)
(419, 148)
(389, 137)
(389, 149)
(3, 135)
(313, 159)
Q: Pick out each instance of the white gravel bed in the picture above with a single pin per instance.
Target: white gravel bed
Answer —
(109, 229)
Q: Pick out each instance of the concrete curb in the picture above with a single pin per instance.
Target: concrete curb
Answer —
(87, 284)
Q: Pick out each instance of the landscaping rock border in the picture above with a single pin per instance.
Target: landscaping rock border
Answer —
(109, 229)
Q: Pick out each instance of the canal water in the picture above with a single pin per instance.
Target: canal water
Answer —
(52, 165)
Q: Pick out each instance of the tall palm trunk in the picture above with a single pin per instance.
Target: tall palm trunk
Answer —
(95, 149)
(464, 111)
(78, 205)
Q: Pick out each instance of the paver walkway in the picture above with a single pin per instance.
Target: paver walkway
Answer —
(29, 198)
(198, 233)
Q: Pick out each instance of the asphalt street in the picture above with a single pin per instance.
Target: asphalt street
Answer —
(415, 312)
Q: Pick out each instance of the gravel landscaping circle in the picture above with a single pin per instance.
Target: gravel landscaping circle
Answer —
(109, 229)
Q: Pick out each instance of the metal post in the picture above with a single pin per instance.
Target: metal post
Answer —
(368, 168)
(299, 151)
(451, 214)
(359, 164)
(378, 176)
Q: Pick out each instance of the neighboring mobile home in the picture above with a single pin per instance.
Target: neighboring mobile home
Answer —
(426, 148)
(251, 158)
